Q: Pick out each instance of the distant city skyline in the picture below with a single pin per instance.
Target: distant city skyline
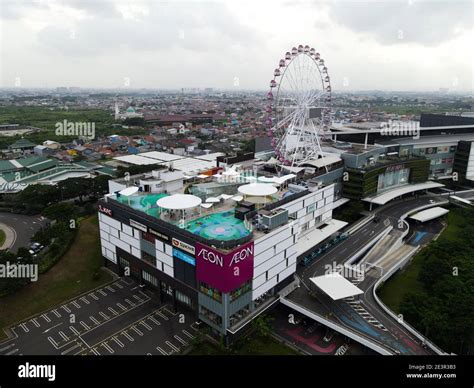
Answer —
(409, 45)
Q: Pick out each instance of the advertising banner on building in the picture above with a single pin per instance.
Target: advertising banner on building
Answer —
(224, 271)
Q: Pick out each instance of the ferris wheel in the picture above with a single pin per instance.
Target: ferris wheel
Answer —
(299, 106)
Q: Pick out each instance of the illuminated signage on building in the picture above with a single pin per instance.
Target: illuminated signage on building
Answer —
(105, 210)
(184, 256)
(224, 271)
(139, 226)
(183, 246)
(158, 234)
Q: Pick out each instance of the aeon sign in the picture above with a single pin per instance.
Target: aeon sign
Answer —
(224, 271)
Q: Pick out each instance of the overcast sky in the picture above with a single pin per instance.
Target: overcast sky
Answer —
(388, 45)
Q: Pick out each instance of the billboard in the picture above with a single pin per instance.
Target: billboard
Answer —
(224, 271)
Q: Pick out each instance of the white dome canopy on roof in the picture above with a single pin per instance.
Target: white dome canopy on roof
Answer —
(258, 189)
(179, 202)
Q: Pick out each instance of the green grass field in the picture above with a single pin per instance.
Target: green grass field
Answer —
(402, 283)
(78, 271)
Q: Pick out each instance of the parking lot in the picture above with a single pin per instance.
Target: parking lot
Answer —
(119, 318)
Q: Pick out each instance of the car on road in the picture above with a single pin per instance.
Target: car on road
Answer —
(329, 336)
(35, 248)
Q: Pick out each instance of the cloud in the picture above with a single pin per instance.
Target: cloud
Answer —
(160, 26)
(427, 22)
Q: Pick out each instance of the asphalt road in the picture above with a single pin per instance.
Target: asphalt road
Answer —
(364, 315)
(120, 318)
(24, 226)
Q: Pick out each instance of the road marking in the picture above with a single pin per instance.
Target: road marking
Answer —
(112, 311)
(23, 326)
(162, 315)
(74, 303)
(118, 285)
(134, 328)
(145, 325)
(55, 312)
(35, 322)
(130, 302)
(46, 318)
(130, 338)
(84, 325)
(118, 342)
(188, 334)
(111, 351)
(102, 293)
(65, 337)
(96, 352)
(154, 320)
(53, 342)
(6, 347)
(12, 352)
(71, 349)
(110, 289)
(172, 346)
(180, 340)
(161, 351)
(92, 295)
(122, 306)
(94, 320)
(66, 308)
(104, 316)
(85, 300)
(74, 330)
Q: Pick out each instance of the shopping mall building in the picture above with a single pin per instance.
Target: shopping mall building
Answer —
(225, 256)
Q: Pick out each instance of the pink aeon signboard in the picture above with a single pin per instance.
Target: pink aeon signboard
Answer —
(224, 271)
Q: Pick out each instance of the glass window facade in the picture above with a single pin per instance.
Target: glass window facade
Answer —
(393, 178)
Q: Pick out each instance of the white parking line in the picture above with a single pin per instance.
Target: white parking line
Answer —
(35, 322)
(55, 312)
(118, 342)
(118, 285)
(154, 321)
(134, 328)
(161, 351)
(172, 346)
(162, 315)
(64, 336)
(110, 289)
(24, 327)
(12, 352)
(113, 311)
(74, 330)
(122, 306)
(85, 300)
(96, 351)
(70, 349)
(53, 342)
(94, 320)
(138, 298)
(84, 325)
(92, 295)
(104, 316)
(130, 338)
(75, 304)
(180, 340)
(130, 302)
(146, 326)
(46, 318)
(101, 292)
(7, 347)
(107, 347)
(188, 334)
